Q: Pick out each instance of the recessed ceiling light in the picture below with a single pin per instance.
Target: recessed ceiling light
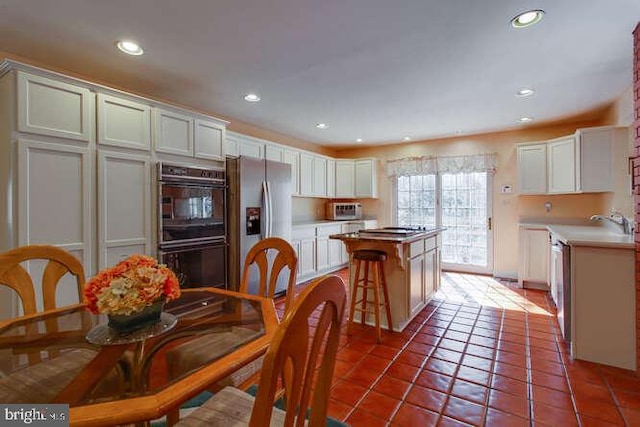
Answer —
(359, 140)
(459, 132)
(406, 138)
(524, 92)
(321, 126)
(525, 119)
(251, 97)
(527, 18)
(129, 47)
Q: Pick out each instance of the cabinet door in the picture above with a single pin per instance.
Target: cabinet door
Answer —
(292, 158)
(344, 255)
(430, 273)
(534, 256)
(561, 163)
(123, 123)
(532, 169)
(307, 257)
(416, 283)
(273, 152)
(319, 176)
(54, 197)
(345, 178)
(365, 178)
(231, 148)
(336, 258)
(596, 154)
(49, 107)
(209, 137)
(251, 148)
(306, 174)
(173, 132)
(124, 206)
(322, 253)
(331, 178)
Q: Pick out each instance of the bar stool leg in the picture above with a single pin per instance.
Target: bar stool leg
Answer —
(376, 298)
(354, 297)
(365, 293)
(386, 296)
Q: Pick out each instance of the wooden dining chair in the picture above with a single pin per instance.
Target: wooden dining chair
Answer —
(43, 378)
(301, 356)
(196, 352)
(59, 263)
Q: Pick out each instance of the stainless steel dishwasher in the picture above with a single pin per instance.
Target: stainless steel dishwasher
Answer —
(561, 284)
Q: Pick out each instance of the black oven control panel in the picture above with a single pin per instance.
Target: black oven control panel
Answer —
(184, 173)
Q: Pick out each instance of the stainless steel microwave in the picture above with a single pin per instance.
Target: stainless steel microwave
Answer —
(344, 210)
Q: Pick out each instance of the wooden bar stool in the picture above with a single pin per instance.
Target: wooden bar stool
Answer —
(375, 259)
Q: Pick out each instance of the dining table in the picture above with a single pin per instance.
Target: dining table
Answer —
(125, 377)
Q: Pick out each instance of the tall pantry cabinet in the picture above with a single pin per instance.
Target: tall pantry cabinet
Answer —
(77, 168)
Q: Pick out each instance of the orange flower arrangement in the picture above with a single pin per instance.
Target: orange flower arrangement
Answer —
(130, 286)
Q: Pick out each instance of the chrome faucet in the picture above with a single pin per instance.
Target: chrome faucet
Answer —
(616, 217)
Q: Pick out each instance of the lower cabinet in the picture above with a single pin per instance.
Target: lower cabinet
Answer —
(317, 253)
(424, 273)
(533, 265)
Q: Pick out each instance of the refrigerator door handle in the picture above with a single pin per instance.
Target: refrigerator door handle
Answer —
(264, 232)
(269, 211)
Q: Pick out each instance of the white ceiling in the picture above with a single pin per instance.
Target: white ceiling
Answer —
(373, 69)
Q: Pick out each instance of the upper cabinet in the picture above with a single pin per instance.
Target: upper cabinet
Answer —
(532, 169)
(279, 153)
(209, 139)
(54, 108)
(561, 165)
(345, 178)
(366, 184)
(243, 145)
(123, 123)
(173, 132)
(579, 163)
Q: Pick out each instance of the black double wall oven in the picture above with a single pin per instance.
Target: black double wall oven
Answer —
(191, 224)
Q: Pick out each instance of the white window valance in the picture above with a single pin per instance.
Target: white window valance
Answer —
(443, 164)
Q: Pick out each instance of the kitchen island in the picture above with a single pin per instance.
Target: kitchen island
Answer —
(412, 268)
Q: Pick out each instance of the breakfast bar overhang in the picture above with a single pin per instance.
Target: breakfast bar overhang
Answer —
(412, 267)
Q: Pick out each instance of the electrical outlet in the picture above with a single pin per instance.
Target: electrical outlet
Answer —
(547, 206)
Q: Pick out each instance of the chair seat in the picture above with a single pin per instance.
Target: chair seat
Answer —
(229, 407)
(369, 255)
(198, 352)
(42, 382)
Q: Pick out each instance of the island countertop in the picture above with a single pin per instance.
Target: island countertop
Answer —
(390, 237)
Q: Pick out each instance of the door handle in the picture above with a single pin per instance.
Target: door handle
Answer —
(489, 224)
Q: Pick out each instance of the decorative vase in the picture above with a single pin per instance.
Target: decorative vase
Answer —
(149, 315)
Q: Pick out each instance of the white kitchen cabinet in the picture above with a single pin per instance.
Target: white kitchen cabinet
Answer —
(123, 123)
(366, 184)
(291, 157)
(54, 197)
(345, 178)
(322, 253)
(319, 176)
(209, 137)
(54, 108)
(231, 146)
(532, 168)
(304, 242)
(306, 175)
(561, 165)
(331, 178)
(595, 156)
(173, 132)
(124, 206)
(329, 250)
(533, 259)
(416, 270)
(251, 147)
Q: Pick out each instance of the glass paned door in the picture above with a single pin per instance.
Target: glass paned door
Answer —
(466, 242)
(460, 202)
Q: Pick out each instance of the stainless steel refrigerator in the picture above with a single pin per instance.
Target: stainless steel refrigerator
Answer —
(258, 206)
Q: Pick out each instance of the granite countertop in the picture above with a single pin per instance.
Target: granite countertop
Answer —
(371, 237)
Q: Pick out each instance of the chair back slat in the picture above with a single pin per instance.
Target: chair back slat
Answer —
(285, 256)
(296, 351)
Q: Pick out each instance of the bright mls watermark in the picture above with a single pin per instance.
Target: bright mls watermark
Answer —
(34, 415)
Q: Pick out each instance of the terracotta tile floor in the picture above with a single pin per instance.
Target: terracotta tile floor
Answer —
(482, 353)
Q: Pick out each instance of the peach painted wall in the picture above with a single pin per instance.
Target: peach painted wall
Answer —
(508, 209)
